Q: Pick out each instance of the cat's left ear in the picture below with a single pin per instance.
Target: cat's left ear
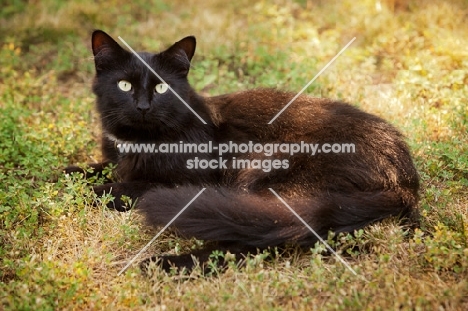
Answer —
(106, 51)
(184, 48)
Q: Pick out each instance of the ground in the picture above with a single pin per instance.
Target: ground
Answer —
(408, 64)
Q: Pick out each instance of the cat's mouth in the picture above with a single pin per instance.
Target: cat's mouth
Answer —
(134, 125)
(145, 120)
(155, 123)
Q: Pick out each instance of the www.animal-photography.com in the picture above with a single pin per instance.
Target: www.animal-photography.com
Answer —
(212, 155)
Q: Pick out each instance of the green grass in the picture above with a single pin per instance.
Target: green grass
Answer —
(409, 65)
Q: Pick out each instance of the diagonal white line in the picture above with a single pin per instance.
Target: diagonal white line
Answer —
(315, 233)
(311, 81)
(159, 77)
(159, 233)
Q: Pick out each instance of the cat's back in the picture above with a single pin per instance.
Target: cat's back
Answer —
(260, 104)
(378, 158)
(251, 111)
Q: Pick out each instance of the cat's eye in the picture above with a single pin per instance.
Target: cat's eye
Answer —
(161, 88)
(125, 85)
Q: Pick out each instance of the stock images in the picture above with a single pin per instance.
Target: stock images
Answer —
(266, 155)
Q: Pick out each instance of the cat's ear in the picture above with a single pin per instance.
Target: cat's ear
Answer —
(103, 44)
(183, 49)
(105, 48)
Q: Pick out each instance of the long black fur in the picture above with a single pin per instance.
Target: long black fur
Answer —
(338, 192)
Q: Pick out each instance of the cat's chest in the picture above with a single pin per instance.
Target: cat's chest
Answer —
(166, 168)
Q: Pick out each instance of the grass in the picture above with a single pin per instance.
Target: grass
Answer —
(409, 64)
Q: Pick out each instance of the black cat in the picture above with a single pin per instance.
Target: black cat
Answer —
(340, 192)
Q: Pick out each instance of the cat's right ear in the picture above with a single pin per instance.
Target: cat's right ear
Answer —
(105, 49)
(183, 49)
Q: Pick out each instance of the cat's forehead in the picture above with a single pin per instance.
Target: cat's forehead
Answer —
(139, 63)
(135, 68)
(151, 66)
(147, 57)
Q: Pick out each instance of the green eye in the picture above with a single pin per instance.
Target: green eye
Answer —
(125, 85)
(161, 88)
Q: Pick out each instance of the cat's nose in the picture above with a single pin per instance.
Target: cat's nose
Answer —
(143, 107)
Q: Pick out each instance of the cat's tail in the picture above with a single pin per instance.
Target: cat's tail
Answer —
(221, 214)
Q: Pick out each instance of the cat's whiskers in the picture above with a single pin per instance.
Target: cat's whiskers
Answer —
(112, 118)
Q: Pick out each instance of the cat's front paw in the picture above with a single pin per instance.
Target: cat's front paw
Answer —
(168, 263)
(91, 170)
(74, 169)
(117, 191)
(149, 265)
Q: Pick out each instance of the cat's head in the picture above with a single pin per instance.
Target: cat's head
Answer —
(134, 103)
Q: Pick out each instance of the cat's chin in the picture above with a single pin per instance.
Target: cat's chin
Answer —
(142, 123)
(129, 133)
(154, 126)
(152, 121)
